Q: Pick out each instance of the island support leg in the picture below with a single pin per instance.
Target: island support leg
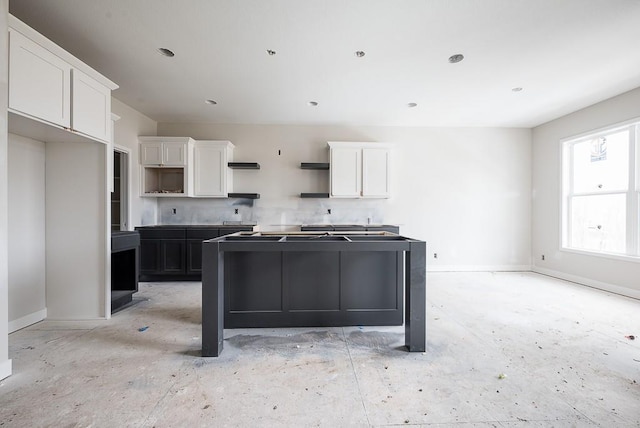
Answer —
(415, 318)
(212, 299)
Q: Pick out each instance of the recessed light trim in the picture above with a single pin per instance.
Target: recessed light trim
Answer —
(359, 54)
(312, 103)
(271, 52)
(211, 102)
(166, 52)
(412, 105)
(453, 59)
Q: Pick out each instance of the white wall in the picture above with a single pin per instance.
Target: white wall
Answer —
(5, 362)
(76, 230)
(615, 275)
(466, 191)
(27, 266)
(127, 129)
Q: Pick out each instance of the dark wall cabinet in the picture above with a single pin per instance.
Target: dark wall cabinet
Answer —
(174, 253)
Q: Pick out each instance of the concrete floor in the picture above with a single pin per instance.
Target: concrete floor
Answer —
(504, 350)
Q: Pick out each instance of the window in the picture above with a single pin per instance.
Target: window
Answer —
(601, 191)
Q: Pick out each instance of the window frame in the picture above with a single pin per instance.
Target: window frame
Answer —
(632, 251)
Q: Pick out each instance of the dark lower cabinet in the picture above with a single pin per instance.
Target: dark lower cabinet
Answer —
(125, 247)
(172, 257)
(350, 227)
(150, 256)
(162, 253)
(175, 253)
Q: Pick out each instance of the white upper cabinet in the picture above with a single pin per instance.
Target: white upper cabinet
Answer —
(346, 172)
(39, 81)
(360, 170)
(166, 166)
(164, 151)
(91, 106)
(212, 177)
(48, 85)
(375, 172)
(182, 167)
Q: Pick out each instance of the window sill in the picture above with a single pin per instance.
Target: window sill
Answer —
(622, 257)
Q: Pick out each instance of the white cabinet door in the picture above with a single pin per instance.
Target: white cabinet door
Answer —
(375, 172)
(163, 153)
(39, 81)
(346, 172)
(91, 106)
(210, 170)
(174, 154)
(151, 153)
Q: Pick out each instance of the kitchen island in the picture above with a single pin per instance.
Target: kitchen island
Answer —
(324, 279)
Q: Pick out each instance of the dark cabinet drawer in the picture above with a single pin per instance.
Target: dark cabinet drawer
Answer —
(203, 234)
(162, 233)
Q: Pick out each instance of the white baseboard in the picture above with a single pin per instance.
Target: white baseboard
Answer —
(27, 320)
(5, 369)
(624, 291)
(467, 268)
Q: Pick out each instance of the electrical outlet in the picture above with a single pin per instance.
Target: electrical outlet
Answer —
(435, 255)
(235, 211)
(543, 257)
(329, 211)
(174, 211)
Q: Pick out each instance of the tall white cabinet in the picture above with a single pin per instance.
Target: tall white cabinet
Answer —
(212, 177)
(360, 170)
(56, 99)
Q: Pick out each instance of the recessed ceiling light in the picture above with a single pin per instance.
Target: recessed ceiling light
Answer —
(271, 52)
(456, 58)
(313, 103)
(166, 52)
(518, 89)
(412, 105)
(360, 54)
(211, 102)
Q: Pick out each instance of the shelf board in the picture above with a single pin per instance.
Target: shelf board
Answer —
(244, 165)
(244, 195)
(314, 195)
(314, 165)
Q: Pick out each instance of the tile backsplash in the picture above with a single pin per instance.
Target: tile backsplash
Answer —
(288, 215)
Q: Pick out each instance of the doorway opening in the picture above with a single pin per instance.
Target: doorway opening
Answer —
(120, 194)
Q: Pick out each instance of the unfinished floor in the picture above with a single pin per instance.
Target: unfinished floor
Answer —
(504, 350)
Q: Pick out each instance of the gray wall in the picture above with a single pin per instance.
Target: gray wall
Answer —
(27, 261)
(465, 191)
(621, 276)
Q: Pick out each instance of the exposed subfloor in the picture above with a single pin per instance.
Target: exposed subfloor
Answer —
(504, 350)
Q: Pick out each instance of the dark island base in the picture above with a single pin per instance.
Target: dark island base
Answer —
(313, 288)
(314, 281)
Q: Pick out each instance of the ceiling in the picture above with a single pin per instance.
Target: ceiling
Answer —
(564, 54)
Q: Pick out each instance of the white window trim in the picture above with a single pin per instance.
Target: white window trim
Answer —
(633, 235)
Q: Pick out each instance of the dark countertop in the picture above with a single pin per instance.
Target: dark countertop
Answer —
(349, 224)
(194, 226)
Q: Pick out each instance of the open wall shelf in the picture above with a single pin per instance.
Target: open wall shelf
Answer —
(244, 195)
(314, 195)
(244, 165)
(314, 165)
